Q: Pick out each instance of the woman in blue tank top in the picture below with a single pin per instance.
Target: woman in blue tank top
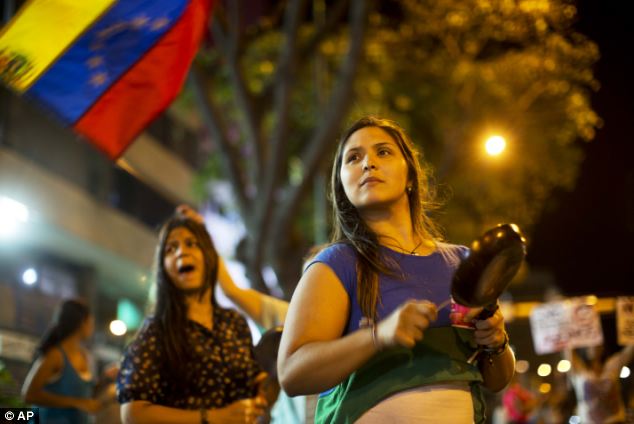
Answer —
(363, 327)
(60, 382)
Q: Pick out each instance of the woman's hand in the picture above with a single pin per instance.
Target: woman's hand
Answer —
(490, 332)
(187, 212)
(268, 388)
(91, 406)
(407, 324)
(239, 412)
(110, 373)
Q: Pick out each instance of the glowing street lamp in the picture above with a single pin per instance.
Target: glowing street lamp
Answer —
(625, 372)
(29, 277)
(495, 145)
(118, 327)
(12, 214)
(521, 366)
(544, 370)
(564, 366)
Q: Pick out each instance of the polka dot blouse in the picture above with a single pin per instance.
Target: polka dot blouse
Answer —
(223, 367)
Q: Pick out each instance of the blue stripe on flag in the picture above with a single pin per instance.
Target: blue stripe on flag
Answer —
(101, 55)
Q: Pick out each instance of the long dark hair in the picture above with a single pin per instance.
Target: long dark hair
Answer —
(170, 311)
(67, 319)
(350, 228)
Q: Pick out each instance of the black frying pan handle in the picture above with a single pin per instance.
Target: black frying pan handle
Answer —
(488, 311)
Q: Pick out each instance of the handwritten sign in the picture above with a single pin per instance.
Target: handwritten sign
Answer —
(572, 323)
(549, 327)
(625, 320)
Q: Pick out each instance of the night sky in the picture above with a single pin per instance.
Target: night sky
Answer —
(586, 237)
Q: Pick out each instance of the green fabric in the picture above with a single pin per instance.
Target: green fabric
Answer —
(440, 357)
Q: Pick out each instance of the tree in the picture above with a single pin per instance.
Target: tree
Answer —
(245, 87)
(274, 94)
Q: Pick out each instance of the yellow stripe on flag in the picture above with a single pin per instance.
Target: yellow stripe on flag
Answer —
(40, 32)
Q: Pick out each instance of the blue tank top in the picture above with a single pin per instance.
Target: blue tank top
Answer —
(423, 277)
(70, 384)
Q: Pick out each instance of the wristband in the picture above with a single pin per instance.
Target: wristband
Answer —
(497, 351)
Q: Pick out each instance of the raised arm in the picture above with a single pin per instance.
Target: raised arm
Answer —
(266, 311)
(313, 356)
(42, 371)
(576, 363)
(620, 359)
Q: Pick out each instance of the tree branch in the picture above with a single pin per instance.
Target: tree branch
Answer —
(323, 30)
(320, 143)
(216, 126)
(243, 98)
(277, 157)
(307, 50)
(235, 22)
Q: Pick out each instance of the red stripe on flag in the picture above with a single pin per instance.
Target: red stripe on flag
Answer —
(148, 87)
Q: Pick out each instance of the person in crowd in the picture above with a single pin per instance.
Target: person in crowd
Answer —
(519, 402)
(596, 383)
(363, 328)
(267, 312)
(192, 361)
(60, 382)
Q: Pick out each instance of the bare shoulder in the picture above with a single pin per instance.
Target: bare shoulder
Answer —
(319, 307)
(320, 280)
(52, 360)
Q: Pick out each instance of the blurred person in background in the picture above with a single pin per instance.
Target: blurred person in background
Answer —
(596, 382)
(268, 312)
(60, 382)
(192, 361)
(519, 402)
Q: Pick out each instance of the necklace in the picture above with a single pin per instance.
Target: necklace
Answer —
(403, 250)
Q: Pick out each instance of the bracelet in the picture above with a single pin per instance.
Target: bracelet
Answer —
(375, 337)
(497, 351)
(203, 416)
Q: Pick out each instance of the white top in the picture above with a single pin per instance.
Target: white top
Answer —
(448, 403)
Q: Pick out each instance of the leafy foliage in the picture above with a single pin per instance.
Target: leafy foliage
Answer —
(450, 71)
(454, 72)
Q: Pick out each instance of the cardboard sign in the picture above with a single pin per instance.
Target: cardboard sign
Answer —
(549, 327)
(585, 324)
(625, 320)
(572, 323)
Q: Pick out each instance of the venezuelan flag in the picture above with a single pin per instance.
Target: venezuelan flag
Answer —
(106, 68)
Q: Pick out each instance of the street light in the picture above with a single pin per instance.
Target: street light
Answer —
(625, 372)
(544, 388)
(118, 327)
(521, 366)
(29, 277)
(12, 214)
(564, 365)
(544, 370)
(495, 145)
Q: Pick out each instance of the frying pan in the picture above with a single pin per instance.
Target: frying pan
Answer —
(493, 261)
